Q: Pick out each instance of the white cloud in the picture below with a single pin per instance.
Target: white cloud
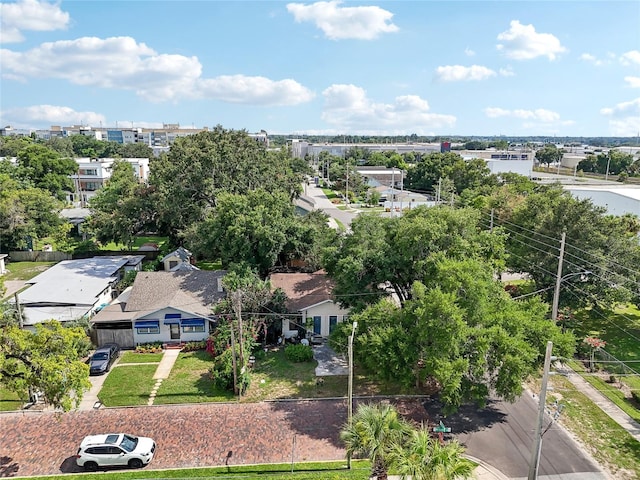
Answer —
(506, 72)
(624, 118)
(538, 115)
(522, 42)
(623, 109)
(631, 57)
(468, 52)
(254, 90)
(123, 63)
(29, 15)
(339, 23)
(348, 108)
(634, 82)
(587, 57)
(43, 116)
(458, 73)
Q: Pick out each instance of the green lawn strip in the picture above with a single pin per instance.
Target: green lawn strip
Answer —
(209, 265)
(25, 270)
(360, 469)
(190, 382)
(610, 444)
(10, 400)
(137, 243)
(132, 357)
(617, 328)
(329, 193)
(128, 385)
(609, 390)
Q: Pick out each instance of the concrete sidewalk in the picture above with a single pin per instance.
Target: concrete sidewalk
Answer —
(607, 406)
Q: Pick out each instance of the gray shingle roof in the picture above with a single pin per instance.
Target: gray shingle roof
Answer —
(182, 253)
(194, 291)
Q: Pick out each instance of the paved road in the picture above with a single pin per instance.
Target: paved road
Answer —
(502, 435)
(40, 443)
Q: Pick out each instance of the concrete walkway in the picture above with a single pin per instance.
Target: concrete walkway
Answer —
(164, 369)
(607, 406)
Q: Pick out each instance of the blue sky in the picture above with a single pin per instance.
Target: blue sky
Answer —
(369, 67)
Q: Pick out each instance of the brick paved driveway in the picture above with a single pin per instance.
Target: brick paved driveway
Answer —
(187, 435)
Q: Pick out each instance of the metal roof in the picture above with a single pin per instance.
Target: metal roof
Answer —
(74, 282)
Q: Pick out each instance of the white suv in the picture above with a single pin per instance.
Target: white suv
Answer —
(110, 449)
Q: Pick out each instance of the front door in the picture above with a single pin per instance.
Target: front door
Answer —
(175, 331)
(317, 325)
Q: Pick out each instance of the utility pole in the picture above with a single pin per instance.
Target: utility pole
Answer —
(537, 439)
(233, 361)
(491, 225)
(350, 388)
(19, 310)
(393, 190)
(556, 293)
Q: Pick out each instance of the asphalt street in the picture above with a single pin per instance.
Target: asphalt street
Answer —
(502, 435)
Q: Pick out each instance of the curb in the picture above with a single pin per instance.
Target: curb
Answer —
(494, 472)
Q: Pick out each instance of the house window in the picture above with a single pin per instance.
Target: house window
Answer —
(172, 263)
(147, 330)
(193, 328)
(333, 321)
(192, 325)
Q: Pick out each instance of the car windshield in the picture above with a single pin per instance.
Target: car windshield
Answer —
(100, 356)
(129, 443)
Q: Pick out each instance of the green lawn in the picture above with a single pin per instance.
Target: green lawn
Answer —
(10, 400)
(190, 382)
(128, 385)
(132, 357)
(620, 329)
(138, 242)
(25, 270)
(610, 390)
(207, 265)
(360, 470)
(608, 442)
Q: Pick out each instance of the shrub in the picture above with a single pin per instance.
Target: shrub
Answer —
(298, 353)
(151, 347)
(194, 346)
(635, 395)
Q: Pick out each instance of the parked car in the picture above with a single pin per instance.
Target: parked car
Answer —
(111, 449)
(103, 358)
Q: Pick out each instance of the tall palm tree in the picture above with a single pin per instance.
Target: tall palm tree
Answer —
(424, 458)
(373, 432)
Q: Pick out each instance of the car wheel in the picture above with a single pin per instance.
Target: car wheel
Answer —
(135, 463)
(91, 466)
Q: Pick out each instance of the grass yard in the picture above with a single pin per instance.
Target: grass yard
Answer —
(132, 357)
(10, 401)
(128, 385)
(360, 470)
(611, 390)
(138, 242)
(207, 265)
(25, 270)
(611, 445)
(190, 382)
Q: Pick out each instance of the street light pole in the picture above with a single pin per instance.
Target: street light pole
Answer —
(606, 176)
(350, 387)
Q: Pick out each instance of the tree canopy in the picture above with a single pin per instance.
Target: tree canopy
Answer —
(122, 208)
(47, 360)
(259, 229)
(382, 255)
(459, 333)
(198, 168)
